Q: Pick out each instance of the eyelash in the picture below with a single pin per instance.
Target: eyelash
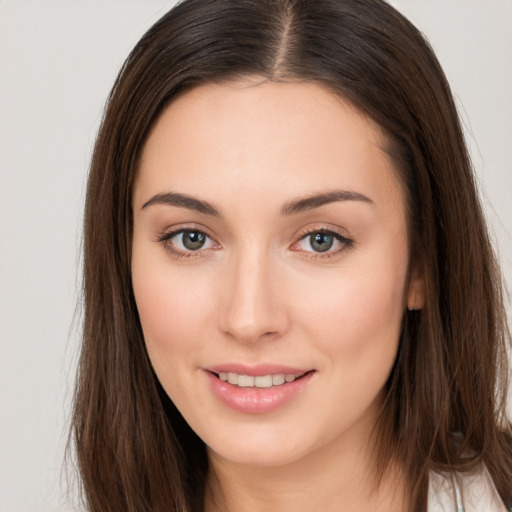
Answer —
(346, 243)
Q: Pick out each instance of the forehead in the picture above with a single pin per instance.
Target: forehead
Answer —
(266, 137)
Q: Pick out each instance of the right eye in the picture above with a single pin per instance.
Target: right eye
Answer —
(185, 242)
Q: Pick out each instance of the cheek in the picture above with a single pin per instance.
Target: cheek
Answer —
(173, 311)
(356, 317)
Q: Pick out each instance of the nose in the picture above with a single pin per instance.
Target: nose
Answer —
(254, 300)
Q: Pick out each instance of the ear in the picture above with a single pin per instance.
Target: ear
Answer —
(416, 289)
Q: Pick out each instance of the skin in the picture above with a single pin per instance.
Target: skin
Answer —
(258, 292)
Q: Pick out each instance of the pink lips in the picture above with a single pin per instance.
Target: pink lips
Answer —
(255, 400)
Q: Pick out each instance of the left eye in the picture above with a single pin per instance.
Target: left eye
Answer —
(322, 242)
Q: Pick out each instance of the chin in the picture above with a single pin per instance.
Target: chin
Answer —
(257, 455)
(263, 444)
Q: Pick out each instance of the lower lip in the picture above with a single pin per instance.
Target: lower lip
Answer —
(257, 400)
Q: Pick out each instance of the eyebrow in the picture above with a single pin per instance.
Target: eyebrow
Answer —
(183, 200)
(291, 208)
(317, 200)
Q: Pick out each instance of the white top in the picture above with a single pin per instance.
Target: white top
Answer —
(478, 493)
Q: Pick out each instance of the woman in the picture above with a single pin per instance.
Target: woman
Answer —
(291, 300)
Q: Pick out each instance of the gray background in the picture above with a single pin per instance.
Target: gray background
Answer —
(58, 60)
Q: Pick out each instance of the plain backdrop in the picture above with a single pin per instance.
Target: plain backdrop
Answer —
(58, 60)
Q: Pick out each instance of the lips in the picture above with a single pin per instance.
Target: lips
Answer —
(257, 389)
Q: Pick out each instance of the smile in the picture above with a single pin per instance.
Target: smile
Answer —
(259, 381)
(267, 389)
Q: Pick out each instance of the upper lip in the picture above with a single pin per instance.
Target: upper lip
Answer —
(257, 369)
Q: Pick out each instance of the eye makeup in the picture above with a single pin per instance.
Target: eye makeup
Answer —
(316, 242)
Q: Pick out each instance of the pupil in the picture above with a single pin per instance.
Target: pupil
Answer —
(193, 240)
(321, 242)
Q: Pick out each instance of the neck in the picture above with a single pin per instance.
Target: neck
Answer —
(338, 476)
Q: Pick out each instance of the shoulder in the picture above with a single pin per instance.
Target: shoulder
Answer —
(463, 493)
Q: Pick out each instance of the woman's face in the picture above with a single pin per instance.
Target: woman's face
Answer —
(270, 249)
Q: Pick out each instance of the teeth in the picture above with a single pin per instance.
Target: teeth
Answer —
(278, 379)
(245, 381)
(260, 381)
(263, 382)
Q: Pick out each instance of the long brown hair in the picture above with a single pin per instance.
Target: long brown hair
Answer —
(446, 402)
